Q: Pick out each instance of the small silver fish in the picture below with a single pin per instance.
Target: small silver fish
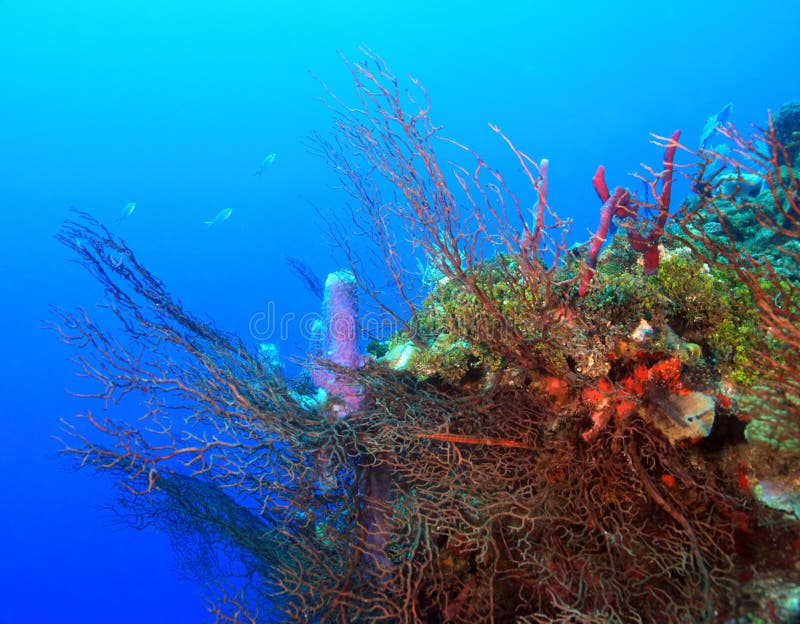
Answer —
(268, 161)
(127, 211)
(222, 215)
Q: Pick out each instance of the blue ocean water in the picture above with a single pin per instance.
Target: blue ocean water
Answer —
(174, 105)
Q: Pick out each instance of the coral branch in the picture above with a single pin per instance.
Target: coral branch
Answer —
(620, 205)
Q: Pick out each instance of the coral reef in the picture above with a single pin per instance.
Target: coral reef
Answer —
(548, 437)
(787, 132)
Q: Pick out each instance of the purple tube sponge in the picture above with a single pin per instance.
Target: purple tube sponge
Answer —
(336, 339)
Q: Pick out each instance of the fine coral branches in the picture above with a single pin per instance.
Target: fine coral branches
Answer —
(459, 218)
(744, 221)
(215, 442)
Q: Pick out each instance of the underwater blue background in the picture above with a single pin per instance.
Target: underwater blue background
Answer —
(173, 105)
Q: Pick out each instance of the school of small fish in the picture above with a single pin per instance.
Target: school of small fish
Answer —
(223, 215)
